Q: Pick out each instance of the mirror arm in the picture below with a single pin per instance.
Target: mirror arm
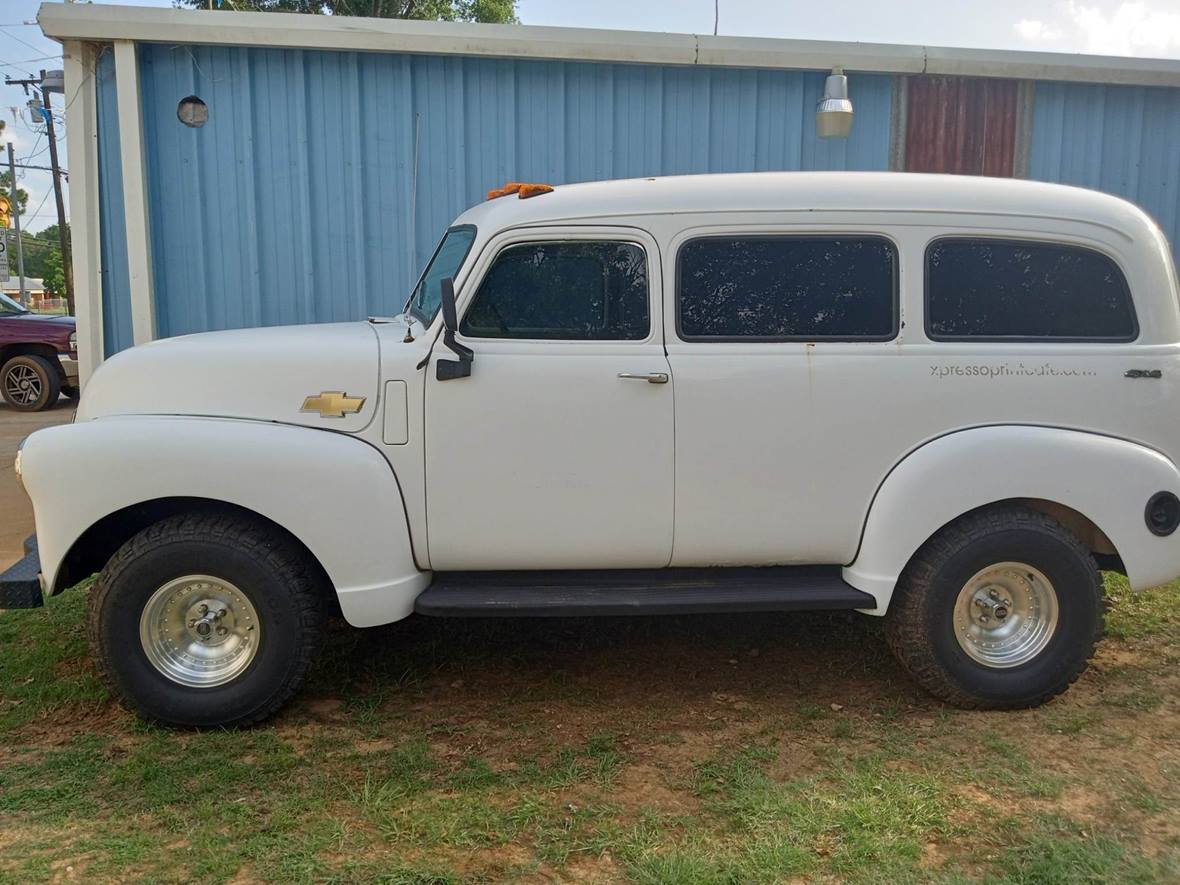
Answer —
(446, 370)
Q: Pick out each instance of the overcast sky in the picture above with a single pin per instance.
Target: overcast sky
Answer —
(1113, 27)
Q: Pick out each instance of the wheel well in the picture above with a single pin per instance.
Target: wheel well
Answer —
(99, 542)
(1084, 529)
(9, 351)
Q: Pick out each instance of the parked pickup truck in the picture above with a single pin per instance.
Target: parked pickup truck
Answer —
(38, 357)
(947, 401)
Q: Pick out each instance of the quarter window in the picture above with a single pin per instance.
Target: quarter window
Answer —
(572, 290)
(1016, 289)
(782, 288)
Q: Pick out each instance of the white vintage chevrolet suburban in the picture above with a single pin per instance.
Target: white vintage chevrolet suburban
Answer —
(945, 400)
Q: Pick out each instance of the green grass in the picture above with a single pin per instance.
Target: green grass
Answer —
(619, 751)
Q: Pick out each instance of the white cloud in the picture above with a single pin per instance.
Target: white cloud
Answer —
(1132, 27)
(1035, 29)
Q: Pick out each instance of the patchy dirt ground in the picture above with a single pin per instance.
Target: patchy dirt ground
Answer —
(720, 749)
(696, 750)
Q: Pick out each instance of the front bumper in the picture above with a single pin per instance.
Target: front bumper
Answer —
(69, 366)
(20, 584)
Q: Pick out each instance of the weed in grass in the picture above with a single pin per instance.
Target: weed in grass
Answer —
(1060, 853)
(1000, 763)
(45, 665)
(1066, 721)
(1134, 615)
(1140, 701)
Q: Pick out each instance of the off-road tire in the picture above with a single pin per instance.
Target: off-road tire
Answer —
(919, 624)
(47, 378)
(277, 577)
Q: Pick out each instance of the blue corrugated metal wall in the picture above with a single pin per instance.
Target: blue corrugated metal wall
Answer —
(1121, 139)
(323, 179)
(116, 295)
(296, 202)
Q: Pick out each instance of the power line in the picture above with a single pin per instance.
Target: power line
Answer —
(26, 42)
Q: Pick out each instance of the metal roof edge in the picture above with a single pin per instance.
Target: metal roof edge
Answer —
(92, 22)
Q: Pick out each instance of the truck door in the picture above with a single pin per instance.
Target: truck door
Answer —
(557, 451)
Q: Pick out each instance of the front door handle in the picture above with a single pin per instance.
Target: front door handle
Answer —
(649, 377)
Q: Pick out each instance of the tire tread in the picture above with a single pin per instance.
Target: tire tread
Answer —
(248, 536)
(909, 640)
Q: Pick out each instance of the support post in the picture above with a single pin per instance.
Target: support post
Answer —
(135, 204)
(82, 122)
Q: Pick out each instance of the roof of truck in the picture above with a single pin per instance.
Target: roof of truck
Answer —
(809, 191)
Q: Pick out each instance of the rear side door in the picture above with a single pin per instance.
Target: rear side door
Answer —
(557, 451)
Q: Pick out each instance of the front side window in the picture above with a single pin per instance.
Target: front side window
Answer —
(571, 290)
(446, 261)
(1019, 289)
(783, 288)
(8, 307)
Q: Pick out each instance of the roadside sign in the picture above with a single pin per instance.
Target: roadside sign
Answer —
(4, 254)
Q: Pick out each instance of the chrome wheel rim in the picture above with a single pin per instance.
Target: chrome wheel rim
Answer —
(1006, 615)
(22, 385)
(199, 631)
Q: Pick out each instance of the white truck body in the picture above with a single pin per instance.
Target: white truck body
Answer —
(849, 453)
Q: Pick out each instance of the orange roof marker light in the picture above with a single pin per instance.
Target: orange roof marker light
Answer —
(522, 189)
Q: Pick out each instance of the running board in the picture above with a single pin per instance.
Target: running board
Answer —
(679, 591)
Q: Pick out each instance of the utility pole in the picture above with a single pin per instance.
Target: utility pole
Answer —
(51, 136)
(20, 248)
(62, 232)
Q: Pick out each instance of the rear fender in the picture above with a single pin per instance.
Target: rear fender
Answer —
(336, 494)
(1106, 480)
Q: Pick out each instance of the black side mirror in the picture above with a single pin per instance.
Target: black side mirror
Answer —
(447, 302)
(446, 370)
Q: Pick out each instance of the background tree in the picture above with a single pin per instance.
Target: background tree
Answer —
(22, 195)
(496, 11)
(53, 277)
(36, 248)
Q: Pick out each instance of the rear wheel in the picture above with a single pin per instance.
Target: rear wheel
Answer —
(1001, 609)
(29, 382)
(206, 620)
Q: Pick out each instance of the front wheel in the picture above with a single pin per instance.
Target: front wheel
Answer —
(29, 382)
(1002, 609)
(206, 620)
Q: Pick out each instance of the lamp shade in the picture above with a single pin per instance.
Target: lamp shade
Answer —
(833, 112)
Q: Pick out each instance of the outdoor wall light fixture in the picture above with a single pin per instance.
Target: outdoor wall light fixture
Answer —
(192, 112)
(833, 112)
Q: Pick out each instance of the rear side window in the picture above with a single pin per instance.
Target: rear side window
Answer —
(1016, 289)
(784, 288)
(574, 291)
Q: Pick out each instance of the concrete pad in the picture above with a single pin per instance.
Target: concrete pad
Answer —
(16, 514)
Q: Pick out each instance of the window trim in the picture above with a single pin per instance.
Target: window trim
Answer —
(895, 329)
(1017, 339)
(530, 241)
(408, 309)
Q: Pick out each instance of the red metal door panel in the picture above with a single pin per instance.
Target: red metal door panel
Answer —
(961, 124)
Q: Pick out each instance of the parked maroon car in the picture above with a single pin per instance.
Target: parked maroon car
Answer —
(38, 357)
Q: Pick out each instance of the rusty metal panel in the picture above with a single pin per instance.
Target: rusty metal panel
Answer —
(962, 125)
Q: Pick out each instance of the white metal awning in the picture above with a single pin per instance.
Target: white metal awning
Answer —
(86, 22)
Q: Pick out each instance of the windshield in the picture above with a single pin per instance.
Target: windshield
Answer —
(8, 307)
(445, 262)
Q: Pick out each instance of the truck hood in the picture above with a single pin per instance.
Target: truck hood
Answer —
(267, 374)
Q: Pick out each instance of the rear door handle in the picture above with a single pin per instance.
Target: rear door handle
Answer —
(649, 377)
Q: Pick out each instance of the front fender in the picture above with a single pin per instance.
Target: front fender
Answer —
(333, 492)
(1105, 479)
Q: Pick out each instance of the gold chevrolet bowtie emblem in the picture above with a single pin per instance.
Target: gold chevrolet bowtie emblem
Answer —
(333, 404)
